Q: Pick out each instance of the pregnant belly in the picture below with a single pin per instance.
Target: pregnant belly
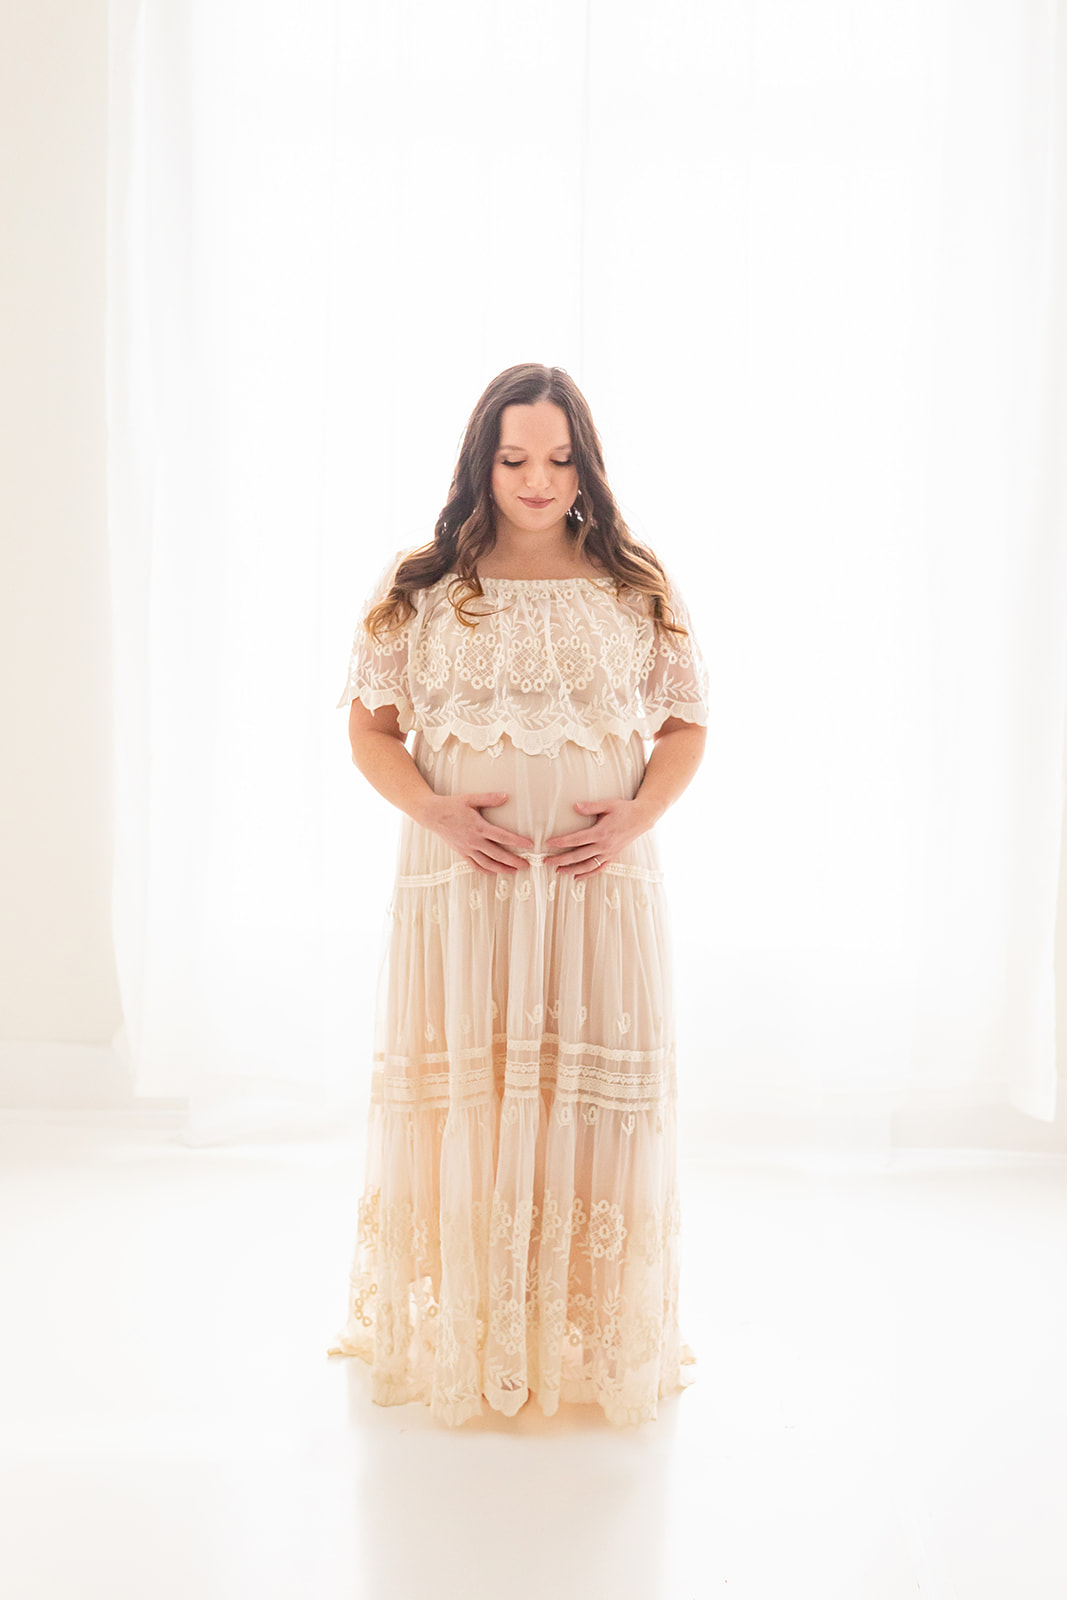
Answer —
(541, 789)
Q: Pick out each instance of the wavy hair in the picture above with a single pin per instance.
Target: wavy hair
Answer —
(465, 530)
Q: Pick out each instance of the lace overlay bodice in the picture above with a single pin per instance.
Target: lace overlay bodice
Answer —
(557, 659)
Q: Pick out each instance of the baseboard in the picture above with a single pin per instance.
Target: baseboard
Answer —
(873, 1128)
(92, 1081)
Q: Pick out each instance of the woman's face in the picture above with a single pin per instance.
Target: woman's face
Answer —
(534, 481)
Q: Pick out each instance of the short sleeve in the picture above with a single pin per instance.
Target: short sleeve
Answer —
(378, 668)
(674, 679)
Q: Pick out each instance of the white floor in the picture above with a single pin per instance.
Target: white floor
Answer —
(880, 1409)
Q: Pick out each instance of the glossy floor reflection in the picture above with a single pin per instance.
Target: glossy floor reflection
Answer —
(880, 1408)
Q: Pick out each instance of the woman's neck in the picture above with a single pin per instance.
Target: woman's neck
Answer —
(515, 559)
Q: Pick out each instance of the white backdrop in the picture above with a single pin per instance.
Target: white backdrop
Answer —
(807, 264)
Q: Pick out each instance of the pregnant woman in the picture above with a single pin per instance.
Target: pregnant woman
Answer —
(519, 1222)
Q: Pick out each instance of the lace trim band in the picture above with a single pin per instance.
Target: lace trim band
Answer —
(574, 1081)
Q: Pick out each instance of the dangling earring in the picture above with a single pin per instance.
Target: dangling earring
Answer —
(574, 514)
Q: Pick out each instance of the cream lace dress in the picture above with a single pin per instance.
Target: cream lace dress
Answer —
(519, 1222)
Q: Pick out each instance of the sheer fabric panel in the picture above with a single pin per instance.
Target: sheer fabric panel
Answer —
(808, 267)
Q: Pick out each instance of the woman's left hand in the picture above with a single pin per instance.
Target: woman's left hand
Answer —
(618, 824)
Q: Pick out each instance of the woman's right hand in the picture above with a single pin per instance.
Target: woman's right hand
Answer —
(456, 818)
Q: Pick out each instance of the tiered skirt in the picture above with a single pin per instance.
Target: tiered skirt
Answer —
(519, 1223)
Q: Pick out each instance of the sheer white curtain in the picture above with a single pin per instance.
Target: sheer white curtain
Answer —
(807, 263)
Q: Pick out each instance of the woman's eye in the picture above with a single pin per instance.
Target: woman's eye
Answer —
(519, 463)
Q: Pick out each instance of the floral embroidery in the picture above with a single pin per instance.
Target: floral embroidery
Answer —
(501, 1221)
(430, 665)
(606, 1230)
(616, 654)
(551, 1221)
(478, 658)
(507, 1320)
(449, 1341)
(575, 662)
(482, 1271)
(561, 659)
(529, 666)
(369, 1216)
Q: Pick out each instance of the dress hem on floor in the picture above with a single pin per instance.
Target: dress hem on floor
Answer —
(576, 1391)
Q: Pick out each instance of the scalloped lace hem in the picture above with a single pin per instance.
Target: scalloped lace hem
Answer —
(549, 741)
(374, 699)
(531, 741)
(457, 1409)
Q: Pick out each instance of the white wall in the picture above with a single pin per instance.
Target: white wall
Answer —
(59, 1004)
(58, 978)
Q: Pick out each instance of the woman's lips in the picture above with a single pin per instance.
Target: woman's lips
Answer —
(536, 504)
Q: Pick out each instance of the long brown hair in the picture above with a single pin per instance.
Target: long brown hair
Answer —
(465, 529)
